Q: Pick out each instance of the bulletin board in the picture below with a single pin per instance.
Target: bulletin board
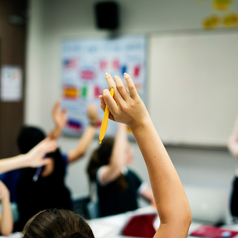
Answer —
(84, 63)
(193, 87)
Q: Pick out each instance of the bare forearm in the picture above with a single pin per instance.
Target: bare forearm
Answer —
(83, 144)
(55, 133)
(172, 204)
(12, 163)
(7, 219)
(118, 156)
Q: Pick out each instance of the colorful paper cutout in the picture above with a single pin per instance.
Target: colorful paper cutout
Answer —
(211, 22)
(222, 5)
(74, 124)
(70, 92)
(231, 20)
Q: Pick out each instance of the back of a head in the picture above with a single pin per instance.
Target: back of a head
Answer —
(100, 157)
(57, 223)
(29, 137)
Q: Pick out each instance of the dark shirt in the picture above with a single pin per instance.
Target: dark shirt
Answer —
(47, 192)
(10, 179)
(112, 202)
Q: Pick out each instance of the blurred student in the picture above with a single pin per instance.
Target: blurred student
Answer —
(118, 187)
(57, 223)
(172, 204)
(233, 147)
(6, 220)
(49, 191)
(60, 120)
(34, 158)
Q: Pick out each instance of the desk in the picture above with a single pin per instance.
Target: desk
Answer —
(14, 235)
(111, 226)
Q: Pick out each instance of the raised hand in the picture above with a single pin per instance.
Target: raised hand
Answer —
(127, 107)
(35, 157)
(92, 114)
(59, 115)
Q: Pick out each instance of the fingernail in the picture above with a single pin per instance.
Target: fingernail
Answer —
(125, 74)
(106, 74)
(115, 76)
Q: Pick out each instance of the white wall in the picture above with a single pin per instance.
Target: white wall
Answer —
(33, 62)
(54, 20)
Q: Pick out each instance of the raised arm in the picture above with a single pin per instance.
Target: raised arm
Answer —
(60, 120)
(87, 136)
(233, 140)
(34, 158)
(6, 220)
(118, 159)
(171, 202)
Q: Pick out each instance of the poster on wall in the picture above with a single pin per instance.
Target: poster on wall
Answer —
(11, 84)
(83, 67)
(223, 15)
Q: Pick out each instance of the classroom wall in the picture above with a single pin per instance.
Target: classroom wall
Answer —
(52, 21)
(33, 91)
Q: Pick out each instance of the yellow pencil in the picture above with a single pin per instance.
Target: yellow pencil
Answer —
(105, 121)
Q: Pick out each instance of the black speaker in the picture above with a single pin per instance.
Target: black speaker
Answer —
(107, 15)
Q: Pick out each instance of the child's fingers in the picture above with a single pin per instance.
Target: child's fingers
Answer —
(50, 146)
(110, 82)
(131, 86)
(121, 88)
(103, 104)
(56, 106)
(110, 102)
(111, 117)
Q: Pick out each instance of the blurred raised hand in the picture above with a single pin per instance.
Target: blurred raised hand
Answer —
(92, 114)
(60, 120)
(127, 107)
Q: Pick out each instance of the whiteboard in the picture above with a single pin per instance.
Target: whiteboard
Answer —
(193, 87)
(85, 61)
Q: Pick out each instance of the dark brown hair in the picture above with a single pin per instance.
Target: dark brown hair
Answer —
(100, 157)
(57, 223)
(29, 137)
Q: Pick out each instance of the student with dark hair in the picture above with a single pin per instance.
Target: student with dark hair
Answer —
(49, 191)
(34, 158)
(10, 168)
(118, 187)
(171, 201)
(57, 223)
(60, 120)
